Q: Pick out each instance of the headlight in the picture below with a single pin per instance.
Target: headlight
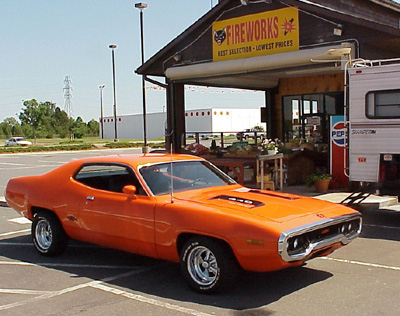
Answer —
(296, 244)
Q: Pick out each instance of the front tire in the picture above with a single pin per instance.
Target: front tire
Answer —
(208, 265)
(48, 236)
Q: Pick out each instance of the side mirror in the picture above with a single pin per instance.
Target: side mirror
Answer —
(129, 189)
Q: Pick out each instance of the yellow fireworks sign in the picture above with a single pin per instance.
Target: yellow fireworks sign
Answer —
(265, 33)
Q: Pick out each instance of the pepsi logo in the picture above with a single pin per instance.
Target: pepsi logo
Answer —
(338, 133)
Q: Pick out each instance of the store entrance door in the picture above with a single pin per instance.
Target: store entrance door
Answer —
(306, 117)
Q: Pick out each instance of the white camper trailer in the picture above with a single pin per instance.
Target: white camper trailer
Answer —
(374, 123)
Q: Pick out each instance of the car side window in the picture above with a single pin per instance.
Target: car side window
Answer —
(108, 177)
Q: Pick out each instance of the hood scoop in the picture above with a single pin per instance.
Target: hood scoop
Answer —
(277, 195)
(244, 202)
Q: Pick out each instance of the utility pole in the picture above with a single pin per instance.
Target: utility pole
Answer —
(68, 101)
(113, 47)
(141, 6)
(101, 87)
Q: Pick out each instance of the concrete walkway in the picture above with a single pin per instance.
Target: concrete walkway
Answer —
(357, 200)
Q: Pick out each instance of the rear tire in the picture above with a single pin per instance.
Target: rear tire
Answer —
(208, 265)
(48, 236)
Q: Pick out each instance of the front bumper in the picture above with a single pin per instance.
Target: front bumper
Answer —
(301, 242)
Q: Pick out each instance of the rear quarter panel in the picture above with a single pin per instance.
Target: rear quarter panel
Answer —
(55, 191)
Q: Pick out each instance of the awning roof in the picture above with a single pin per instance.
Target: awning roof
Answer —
(261, 72)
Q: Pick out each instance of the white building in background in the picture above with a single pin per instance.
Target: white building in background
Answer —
(212, 120)
(131, 126)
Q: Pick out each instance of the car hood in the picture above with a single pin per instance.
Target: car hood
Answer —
(262, 204)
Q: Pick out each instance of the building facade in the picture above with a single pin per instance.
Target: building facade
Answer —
(294, 50)
(204, 121)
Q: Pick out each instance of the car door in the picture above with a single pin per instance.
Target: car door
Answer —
(112, 218)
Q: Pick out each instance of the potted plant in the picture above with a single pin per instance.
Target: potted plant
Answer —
(320, 179)
(270, 146)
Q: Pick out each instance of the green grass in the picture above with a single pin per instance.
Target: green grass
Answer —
(56, 144)
(17, 149)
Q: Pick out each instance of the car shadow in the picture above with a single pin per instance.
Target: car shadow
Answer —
(161, 278)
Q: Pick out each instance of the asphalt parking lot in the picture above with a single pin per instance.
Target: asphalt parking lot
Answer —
(360, 279)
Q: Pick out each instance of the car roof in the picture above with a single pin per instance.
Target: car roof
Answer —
(136, 160)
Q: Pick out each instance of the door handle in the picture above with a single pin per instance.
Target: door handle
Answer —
(90, 198)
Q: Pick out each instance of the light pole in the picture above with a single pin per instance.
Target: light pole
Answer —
(141, 6)
(113, 47)
(101, 110)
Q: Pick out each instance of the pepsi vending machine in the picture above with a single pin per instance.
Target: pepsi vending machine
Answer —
(337, 149)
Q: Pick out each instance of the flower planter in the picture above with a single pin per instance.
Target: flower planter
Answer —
(321, 186)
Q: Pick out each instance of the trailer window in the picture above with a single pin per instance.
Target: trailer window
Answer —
(383, 104)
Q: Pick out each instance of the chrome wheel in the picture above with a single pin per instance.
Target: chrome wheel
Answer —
(208, 264)
(202, 266)
(48, 235)
(44, 235)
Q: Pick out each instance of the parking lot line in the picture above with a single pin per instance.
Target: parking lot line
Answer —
(54, 161)
(44, 296)
(371, 265)
(15, 243)
(51, 294)
(63, 265)
(11, 164)
(15, 232)
(30, 167)
(100, 286)
(143, 299)
(24, 292)
(19, 220)
(381, 226)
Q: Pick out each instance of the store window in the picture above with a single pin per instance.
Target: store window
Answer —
(306, 117)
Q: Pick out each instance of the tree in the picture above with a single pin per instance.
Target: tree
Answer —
(5, 129)
(10, 126)
(93, 127)
(46, 119)
(31, 115)
(62, 123)
(79, 128)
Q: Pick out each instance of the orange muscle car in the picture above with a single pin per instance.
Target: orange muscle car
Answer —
(179, 208)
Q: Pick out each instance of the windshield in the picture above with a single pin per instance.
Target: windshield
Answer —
(186, 175)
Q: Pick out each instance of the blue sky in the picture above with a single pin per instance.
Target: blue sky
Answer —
(45, 40)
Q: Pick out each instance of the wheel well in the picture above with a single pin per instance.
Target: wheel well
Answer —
(184, 237)
(36, 209)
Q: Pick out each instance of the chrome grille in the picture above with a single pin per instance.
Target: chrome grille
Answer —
(297, 244)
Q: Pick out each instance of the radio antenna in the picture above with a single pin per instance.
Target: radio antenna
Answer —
(172, 174)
